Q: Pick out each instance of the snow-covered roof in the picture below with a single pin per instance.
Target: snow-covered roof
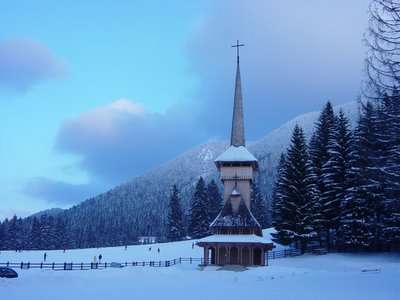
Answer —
(227, 218)
(235, 238)
(235, 193)
(236, 154)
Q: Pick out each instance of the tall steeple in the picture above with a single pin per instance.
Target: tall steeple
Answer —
(237, 133)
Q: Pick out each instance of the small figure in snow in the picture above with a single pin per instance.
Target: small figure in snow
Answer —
(64, 250)
(95, 259)
(100, 257)
(192, 245)
(158, 250)
(149, 249)
(44, 256)
(126, 247)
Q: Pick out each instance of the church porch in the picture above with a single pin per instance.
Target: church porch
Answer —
(244, 254)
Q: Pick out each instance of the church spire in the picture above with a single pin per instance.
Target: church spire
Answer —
(237, 133)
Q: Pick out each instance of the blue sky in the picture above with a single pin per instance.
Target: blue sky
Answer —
(90, 90)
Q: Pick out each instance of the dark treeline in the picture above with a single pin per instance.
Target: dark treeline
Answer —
(61, 231)
(342, 189)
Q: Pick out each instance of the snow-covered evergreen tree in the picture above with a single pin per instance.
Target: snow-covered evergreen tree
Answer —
(2, 236)
(297, 195)
(277, 192)
(176, 229)
(199, 222)
(391, 117)
(61, 241)
(335, 174)
(322, 138)
(35, 240)
(214, 200)
(361, 221)
(258, 206)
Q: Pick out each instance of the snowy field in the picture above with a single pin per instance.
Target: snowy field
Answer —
(333, 276)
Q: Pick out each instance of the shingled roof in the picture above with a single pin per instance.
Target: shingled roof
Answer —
(227, 218)
(237, 133)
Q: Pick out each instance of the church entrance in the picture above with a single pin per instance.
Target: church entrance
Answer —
(245, 256)
(234, 256)
(257, 256)
(211, 255)
(222, 256)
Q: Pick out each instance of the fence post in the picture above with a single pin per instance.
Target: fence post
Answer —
(190, 260)
(21, 265)
(81, 265)
(41, 265)
(180, 260)
(29, 265)
(8, 263)
(52, 266)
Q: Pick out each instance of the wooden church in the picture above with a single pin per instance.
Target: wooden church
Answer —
(237, 236)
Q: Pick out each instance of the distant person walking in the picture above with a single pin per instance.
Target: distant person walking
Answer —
(192, 245)
(149, 249)
(100, 257)
(158, 250)
(44, 257)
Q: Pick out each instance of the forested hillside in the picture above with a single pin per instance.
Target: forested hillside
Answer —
(140, 207)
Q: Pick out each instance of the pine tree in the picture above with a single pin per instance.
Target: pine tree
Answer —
(335, 174)
(47, 232)
(13, 240)
(320, 142)
(2, 236)
(391, 169)
(199, 222)
(176, 230)
(35, 240)
(258, 206)
(214, 200)
(277, 192)
(362, 205)
(61, 233)
(297, 195)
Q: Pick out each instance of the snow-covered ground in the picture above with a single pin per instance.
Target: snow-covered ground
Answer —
(333, 276)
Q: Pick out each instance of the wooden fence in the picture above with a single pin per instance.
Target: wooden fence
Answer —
(89, 266)
(283, 253)
(159, 263)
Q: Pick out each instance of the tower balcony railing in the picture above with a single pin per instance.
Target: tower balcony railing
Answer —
(235, 177)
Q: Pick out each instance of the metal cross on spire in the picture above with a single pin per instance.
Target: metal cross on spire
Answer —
(237, 48)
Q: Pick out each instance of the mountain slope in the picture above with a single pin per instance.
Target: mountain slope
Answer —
(141, 205)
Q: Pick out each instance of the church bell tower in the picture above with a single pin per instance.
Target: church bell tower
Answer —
(237, 165)
(237, 236)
